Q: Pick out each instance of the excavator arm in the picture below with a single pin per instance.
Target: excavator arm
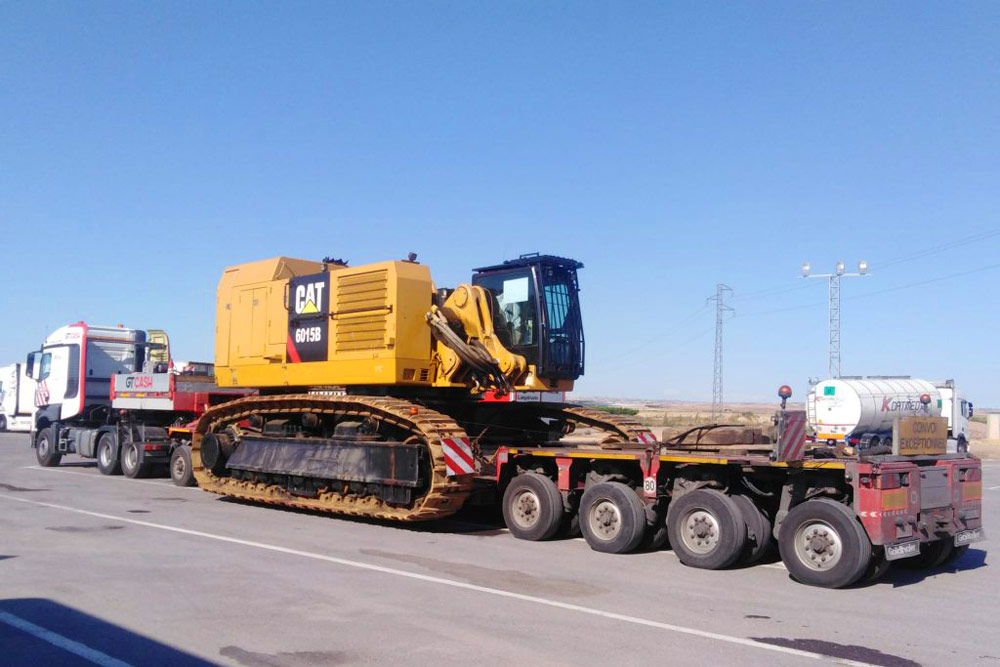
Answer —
(467, 344)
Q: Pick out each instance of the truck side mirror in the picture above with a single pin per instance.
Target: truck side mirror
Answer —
(29, 365)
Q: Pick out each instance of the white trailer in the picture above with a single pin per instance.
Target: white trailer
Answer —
(17, 398)
(861, 411)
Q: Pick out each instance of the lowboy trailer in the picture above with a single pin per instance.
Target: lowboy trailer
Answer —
(836, 520)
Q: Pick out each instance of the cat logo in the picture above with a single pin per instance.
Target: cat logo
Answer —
(309, 298)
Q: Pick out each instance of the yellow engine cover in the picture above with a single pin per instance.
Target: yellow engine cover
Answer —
(291, 322)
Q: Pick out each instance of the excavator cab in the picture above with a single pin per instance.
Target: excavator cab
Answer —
(537, 311)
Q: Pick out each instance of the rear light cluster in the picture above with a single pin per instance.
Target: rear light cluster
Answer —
(154, 448)
(892, 480)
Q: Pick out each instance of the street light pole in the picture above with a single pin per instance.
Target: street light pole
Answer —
(833, 283)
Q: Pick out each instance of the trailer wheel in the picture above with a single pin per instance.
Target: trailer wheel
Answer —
(932, 554)
(612, 518)
(45, 449)
(180, 466)
(706, 529)
(877, 566)
(822, 543)
(532, 507)
(3, 423)
(759, 537)
(956, 553)
(656, 532)
(107, 462)
(132, 464)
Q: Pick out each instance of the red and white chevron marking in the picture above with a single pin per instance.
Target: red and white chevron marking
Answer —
(41, 394)
(646, 437)
(793, 440)
(458, 456)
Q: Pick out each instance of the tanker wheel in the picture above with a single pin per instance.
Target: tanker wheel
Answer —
(706, 529)
(822, 543)
(612, 518)
(532, 507)
(107, 462)
(932, 554)
(181, 471)
(45, 449)
(759, 538)
(132, 464)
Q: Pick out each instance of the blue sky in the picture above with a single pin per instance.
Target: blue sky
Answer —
(668, 146)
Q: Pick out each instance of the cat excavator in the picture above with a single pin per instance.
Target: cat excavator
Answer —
(380, 395)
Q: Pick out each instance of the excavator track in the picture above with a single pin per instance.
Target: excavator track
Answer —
(624, 433)
(444, 496)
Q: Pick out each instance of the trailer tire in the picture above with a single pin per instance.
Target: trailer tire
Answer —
(877, 566)
(822, 543)
(107, 460)
(180, 466)
(706, 529)
(931, 555)
(3, 423)
(612, 518)
(956, 553)
(132, 464)
(759, 539)
(45, 449)
(532, 507)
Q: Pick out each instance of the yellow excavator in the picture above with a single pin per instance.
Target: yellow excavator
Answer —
(380, 395)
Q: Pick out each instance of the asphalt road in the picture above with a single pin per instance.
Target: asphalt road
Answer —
(112, 571)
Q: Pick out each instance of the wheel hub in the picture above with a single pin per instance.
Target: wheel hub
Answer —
(818, 546)
(700, 531)
(526, 509)
(605, 519)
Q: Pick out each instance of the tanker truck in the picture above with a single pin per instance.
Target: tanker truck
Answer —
(861, 411)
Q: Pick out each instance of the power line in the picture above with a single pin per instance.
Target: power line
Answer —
(933, 250)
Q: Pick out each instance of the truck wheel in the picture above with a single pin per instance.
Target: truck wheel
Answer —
(107, 462)
(3, 423)
(180, 466)
(759, 537)
(822, 543)
(612, 518)
(45, 449)
(532, 507)
(706, 529)
(932, 554)
(131, 460)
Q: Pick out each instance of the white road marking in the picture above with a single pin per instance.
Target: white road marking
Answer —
(120, 479)
(591, 611)
(993, 488)
(65, 643)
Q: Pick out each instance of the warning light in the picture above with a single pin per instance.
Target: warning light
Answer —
(925, 399)
(414, 410)
(784, 391)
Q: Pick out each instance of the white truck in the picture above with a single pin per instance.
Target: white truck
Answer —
(861, 411)
(114, 394)
(17, 398)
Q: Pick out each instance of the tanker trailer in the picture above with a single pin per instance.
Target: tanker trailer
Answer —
(855, 410)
